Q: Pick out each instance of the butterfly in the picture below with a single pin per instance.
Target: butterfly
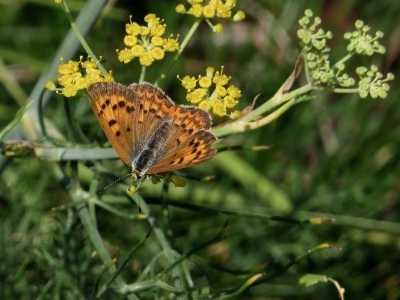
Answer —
(148, 131)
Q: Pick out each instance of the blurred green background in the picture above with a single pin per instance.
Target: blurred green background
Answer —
(335, 156)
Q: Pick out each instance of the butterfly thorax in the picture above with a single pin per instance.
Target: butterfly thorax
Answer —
(151, 151)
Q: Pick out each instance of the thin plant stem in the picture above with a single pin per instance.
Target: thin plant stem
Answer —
(142, 74)
(68, 116)
(81, 38)
(168, 67)
(40, 114)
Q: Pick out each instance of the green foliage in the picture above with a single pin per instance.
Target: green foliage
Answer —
(330, 178)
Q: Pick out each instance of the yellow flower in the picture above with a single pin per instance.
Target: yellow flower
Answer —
(125, 55)
(196, 96)
(50, 85)
(130, 40)
(180, 9)
(89, 64)
(65, 80)
(144, 30)
(132, 28)
(239, 16)
(157, 41)
(189, 82)
(220, 79)
(68, 68)
(69, 91)
(158, 30)
(230, 102)
(171, 44)
(208, 11)
(137, 50)
(234, 92)
(205, 105)
(218, 107)
(221, 91)
(146, 59)
(81, 84)
(152, 20)
(196, 10)
(223, 11)
(157, 53)
(205, 82)
(179, 181)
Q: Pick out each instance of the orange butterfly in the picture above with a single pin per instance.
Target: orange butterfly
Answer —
(148, 131)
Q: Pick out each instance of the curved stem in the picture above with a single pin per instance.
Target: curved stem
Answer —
(180, 50)
(81, 38)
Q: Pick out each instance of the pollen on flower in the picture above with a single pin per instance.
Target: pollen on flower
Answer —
(220, 79)
(205, 82)
(196, 96)
(208, 12)
(170, 44)
(218, 107)
(188, 82)
(196, 10)
(205, 104)
(146, 59)
(157, 53)
(125, 55)
(234, 92)
(132, 28)
(130, 40)
(152, 20)
(137, 50)
(144, 30)
(157, 41)
(220, 90)
(158, 30)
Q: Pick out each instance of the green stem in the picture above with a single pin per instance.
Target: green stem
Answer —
(243, 124)
(168, 67)
(81, 38)
(40, 114)
(142, 74)
(339, 91)
(348, 56)
(68, 117)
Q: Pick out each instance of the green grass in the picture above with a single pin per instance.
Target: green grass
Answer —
(332, 157)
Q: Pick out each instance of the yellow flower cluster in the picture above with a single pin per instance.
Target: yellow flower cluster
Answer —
(146, 42)
(214, 8)
(72, 80)
(220, 99)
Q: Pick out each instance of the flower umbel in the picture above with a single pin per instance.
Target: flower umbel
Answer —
(372, 82)
(72, 80)
(219, 100)
(147, 43)
(214, 9)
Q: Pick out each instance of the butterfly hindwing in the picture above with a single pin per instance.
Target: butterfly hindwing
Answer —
(195, 150)
(116, 108)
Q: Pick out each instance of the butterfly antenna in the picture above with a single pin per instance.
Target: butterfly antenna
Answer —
(129, 174)
(138, 195)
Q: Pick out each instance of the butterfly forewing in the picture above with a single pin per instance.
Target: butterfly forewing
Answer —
(116, 108)
(154, 110)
